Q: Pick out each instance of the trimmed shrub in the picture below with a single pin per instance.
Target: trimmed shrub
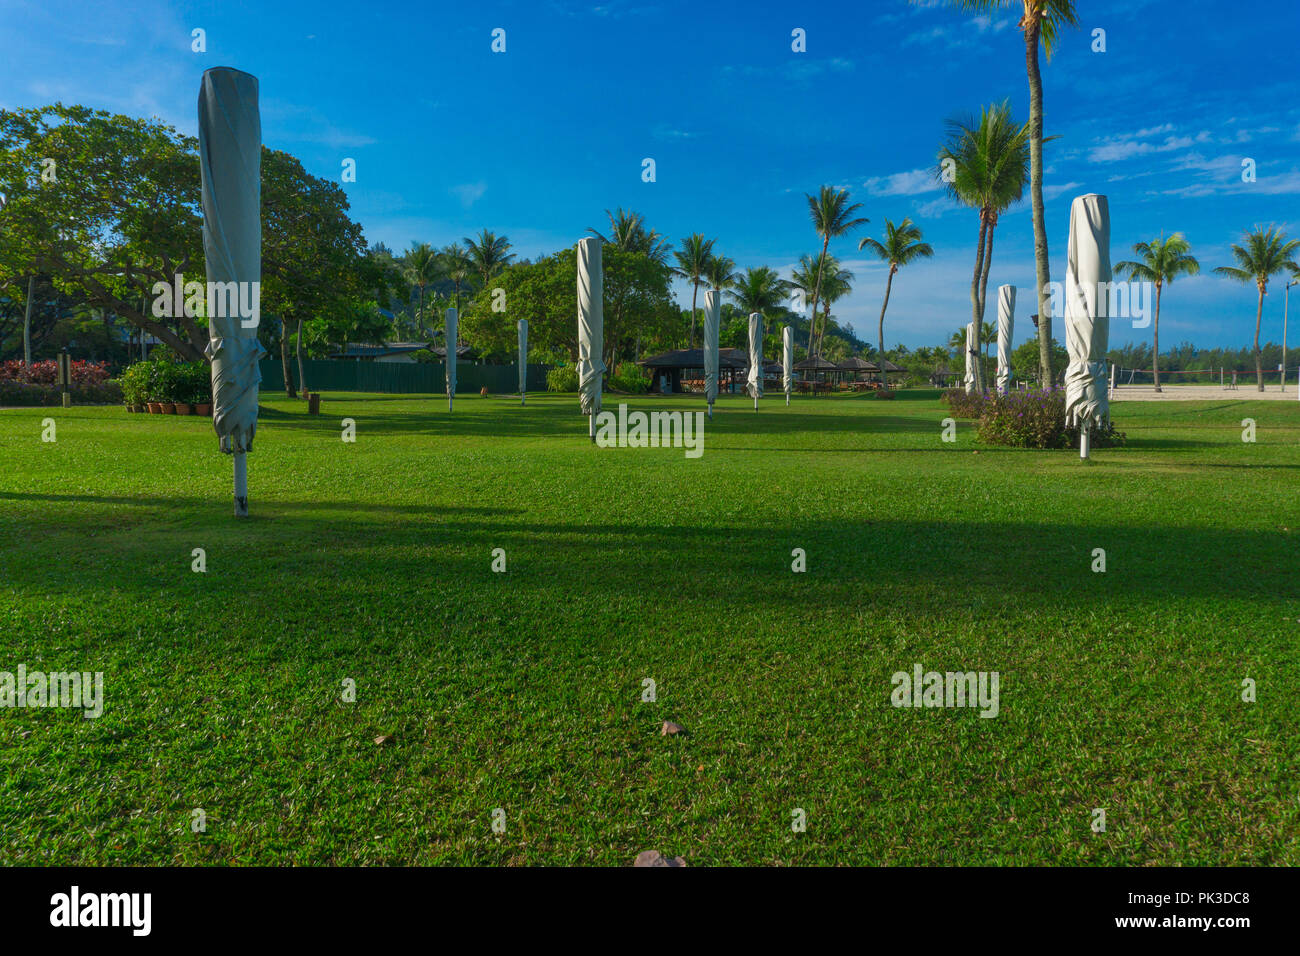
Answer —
(563, 378)
(629, 377)
(1035, 418)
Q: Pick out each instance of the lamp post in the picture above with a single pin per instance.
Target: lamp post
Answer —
(1286, 301)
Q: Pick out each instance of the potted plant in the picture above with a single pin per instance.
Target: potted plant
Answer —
(135, 386)
(201, 389)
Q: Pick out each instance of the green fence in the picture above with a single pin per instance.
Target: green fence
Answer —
(327, 375)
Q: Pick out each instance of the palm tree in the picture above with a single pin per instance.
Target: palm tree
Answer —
(832, 217)
(488, 255)
(759, 290)
(902, 246)
(420, 266)
(692, 263)
(1265, 253)
(986, 164)
(804, 277)
(720, 273)
(1040, 22)
(457, 267)
(836, 284)
(627, 231)
(1163, 260)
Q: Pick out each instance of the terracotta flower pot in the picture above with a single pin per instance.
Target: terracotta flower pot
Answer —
(182, 408)
(169, 408)
(203, 408)
(155, 408)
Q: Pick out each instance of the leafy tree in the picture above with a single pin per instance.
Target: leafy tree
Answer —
(1162, 261)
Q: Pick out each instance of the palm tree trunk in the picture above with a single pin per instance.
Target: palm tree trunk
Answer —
(1036, 199)
(889, 283)
(289, 390)
(984, 286)
(690, 342)
(1155, 338)
(817, 291)
(973, 346)
(1259, 359)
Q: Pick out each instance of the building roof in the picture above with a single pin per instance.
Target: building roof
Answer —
(694, 358)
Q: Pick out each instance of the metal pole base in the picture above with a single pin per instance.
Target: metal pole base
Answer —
(1084, 443)
(241, 485)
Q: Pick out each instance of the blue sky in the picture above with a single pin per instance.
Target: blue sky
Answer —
(537, 142)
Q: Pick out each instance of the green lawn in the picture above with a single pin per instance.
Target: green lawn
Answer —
(522, 691)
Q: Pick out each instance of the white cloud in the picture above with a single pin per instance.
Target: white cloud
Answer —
(469, 193)
(910, 183)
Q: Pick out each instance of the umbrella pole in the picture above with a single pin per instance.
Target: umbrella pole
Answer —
(591, 427)
(1083, 439)
(755, 403)
(241, 485)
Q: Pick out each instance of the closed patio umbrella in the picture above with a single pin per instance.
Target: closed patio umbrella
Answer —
(711, 310)
(591, 329)
(523, 361)
(1087, 321)
(1006, 325)
(754, 381)
(230, 162)
(787, 361)
(453, 346)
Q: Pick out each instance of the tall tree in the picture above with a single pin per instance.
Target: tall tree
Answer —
(1263, 253)
(420, 266)
(983, 163)
(628, 232)
(1161, 262)
(692, 263)
(457, 267)
(902, 246)
(1040, 22)
(721, 273)
(488, 255)
(832, 216)
(759, 289)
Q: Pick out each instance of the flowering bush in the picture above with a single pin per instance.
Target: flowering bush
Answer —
(47, 372)
(1035, 418)
(28, 395)
(964, 405)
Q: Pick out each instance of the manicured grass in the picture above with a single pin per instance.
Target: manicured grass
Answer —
(523, 690)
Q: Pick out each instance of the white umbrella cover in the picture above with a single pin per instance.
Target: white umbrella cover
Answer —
(591, 329)
(1006, 329)
(1087, 322)
(787, 361)
(523, 361)
(711, 315)
(230, 164)
(452, 342)
(754, 380)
